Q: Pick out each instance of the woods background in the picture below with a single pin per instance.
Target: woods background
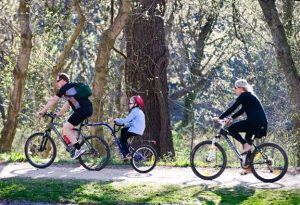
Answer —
(181, 56)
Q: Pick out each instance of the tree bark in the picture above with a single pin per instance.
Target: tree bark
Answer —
(62, 57)
(20, 71)
(2, 65)
(101, 66)
(286, 63)
(146, 71)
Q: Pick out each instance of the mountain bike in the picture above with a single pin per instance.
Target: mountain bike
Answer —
(268, 161)
(143, 158)
(41, 150)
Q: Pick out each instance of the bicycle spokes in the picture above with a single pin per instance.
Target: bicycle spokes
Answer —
(269, 162)
(40, 150)
(208, 161)
(96, 154)
(144, 159)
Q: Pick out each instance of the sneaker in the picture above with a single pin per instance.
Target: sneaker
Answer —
(245, 171)
(77, 152)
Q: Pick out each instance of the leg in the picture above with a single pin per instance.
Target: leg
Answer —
(123, 139)
(242, 126)
(75, 119)
(69, 132)
(234, 130)
(248, 139)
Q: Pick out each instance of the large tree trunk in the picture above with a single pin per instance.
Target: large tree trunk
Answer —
(101, 66)
(285, 61)
(20, 71)
(146, 70)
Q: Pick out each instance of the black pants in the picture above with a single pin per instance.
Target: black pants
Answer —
(125, 135)
(244, 126)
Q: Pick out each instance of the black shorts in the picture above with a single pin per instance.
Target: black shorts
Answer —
(80, 115)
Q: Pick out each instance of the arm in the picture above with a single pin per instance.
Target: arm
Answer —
(63, 109)
(51, 102)
(238, 113)
(232, 108)
(127, 119)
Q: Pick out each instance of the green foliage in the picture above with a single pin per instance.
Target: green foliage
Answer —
(235, 48)
(87, 192)
(12, 157)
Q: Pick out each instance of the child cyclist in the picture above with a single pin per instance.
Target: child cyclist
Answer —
(134, 123)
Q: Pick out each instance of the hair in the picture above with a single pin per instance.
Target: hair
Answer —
(242, 83)
(64, 76)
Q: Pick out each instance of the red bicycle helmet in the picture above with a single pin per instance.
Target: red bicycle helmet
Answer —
(139, 101)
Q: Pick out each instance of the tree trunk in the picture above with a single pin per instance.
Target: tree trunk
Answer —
(2, 65)
(146, 71)
(285, 61)
(20, 71)
(101, 66)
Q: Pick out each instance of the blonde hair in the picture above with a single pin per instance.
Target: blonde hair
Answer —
(242, 83)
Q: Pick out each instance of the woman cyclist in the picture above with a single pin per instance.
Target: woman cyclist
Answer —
(256, 122)
(134, 123)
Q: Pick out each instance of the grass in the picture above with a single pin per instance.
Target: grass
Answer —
(88, 192)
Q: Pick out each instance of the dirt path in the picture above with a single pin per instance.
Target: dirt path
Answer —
(161, 175)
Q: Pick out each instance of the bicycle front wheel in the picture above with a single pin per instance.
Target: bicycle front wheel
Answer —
(143, 159)
(208, 161)
(96, 155)
(40, 150)
(269, 162)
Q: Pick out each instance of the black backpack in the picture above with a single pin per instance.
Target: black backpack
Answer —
(83, 90)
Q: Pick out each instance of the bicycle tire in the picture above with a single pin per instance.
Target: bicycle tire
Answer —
(96, 157)
(32, 152)
(257, 154)
(206, 170)
(144, 159)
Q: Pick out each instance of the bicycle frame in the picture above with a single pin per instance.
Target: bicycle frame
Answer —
(224, 133)
(113, 133)
(52, 126)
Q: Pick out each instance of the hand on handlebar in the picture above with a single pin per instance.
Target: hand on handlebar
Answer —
(215, 119)
(228, 120)
(58, 114)
(41, 114)
(117, 124)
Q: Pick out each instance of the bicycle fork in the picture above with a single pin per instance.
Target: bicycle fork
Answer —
(212, 151)
(43, 143)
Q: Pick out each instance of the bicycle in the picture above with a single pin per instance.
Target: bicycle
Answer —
(40, 148)
(143, 158)
(268, 161)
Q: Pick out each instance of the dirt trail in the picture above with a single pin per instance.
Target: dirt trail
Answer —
(160, 175)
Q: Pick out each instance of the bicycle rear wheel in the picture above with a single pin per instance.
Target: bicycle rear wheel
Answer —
(269, 162)
(96, 155)
(40, 150)
(143, 159)
(207, 161)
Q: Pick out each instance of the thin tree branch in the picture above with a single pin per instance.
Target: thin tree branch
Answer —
(61, 59)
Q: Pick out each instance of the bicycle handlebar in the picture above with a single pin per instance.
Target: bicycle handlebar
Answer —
(221, 122)
(117, 125)
(50, 114)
